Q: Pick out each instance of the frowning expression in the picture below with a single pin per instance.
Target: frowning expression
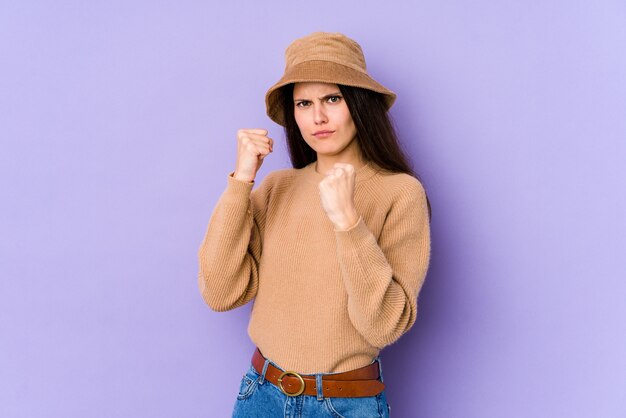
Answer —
(324, 120)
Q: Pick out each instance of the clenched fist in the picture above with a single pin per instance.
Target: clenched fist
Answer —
(337, 195)
(253, 145)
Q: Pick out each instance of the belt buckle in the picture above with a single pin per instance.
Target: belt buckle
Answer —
(280, 383)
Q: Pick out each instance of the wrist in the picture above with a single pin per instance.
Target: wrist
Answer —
(348, 222)
(243, 177)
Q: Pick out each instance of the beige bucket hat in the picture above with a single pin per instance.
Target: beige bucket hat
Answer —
(327, 58)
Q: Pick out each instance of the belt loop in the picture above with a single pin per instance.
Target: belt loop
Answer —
(380, 369)
(267, 363)
(320, 387)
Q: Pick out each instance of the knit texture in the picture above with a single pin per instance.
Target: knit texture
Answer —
(325, 301)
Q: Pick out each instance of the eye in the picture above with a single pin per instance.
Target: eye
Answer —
(303, 103)
(334, 99)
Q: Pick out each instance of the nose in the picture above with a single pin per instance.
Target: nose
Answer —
(320, 115)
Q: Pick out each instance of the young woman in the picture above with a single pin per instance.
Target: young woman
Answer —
(333, 251)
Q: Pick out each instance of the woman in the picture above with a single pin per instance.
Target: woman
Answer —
(333, 251)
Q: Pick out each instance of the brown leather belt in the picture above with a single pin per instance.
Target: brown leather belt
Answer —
(351, 384)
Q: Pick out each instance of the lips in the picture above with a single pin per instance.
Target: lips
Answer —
(323, 134)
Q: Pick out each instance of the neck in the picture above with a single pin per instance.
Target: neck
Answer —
(324, 163)
(363, 172)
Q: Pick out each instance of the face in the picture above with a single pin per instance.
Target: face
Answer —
(325, 121)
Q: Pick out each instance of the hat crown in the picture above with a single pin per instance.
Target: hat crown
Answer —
(325, 46)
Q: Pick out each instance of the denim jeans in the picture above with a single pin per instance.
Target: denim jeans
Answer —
(259, 398)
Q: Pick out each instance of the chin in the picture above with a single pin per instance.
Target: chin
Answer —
(328, 152)
(327, 148)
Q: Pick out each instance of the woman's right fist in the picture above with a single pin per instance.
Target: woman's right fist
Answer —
(253, 145)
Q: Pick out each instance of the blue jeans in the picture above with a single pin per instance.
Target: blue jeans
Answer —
(259, 398)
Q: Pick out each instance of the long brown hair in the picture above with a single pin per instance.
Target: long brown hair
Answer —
(369, 113)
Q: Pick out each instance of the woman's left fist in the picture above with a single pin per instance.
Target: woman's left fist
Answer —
(337, 195)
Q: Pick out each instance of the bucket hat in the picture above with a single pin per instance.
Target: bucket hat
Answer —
(327, 58)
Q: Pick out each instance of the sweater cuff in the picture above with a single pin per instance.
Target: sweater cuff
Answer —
(351, 228)
(238, 187)
(355, 233)
(361, 259)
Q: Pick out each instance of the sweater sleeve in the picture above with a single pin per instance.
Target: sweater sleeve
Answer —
(231, 249)
(383, 278)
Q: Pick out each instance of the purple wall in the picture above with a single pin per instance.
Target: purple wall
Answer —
(117, 125)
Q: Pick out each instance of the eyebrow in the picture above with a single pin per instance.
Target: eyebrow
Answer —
(321, 98)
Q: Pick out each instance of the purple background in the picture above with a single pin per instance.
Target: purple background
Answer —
(118, 120)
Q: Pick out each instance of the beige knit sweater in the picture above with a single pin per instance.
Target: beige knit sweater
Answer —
(325, 301)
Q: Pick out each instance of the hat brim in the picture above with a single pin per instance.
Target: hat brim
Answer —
(322, 72)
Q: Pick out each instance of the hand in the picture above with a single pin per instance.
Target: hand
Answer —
(253, 145)
(337, 195)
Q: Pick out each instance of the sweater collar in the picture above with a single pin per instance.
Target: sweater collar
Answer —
(362, 173)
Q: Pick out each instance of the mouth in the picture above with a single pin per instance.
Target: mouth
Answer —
(323, 134)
